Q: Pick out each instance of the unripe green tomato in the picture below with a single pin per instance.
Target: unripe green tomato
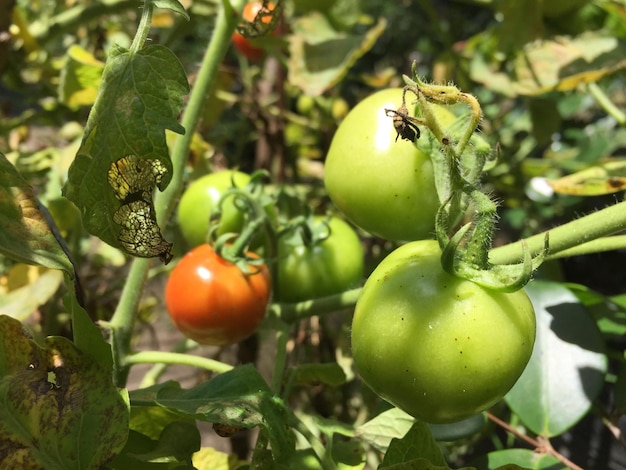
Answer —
(329, 267)
(439, 347)
(199, 199)
(383, 185)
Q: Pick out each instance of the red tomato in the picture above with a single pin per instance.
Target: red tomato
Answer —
(242, 43)
(211, 301)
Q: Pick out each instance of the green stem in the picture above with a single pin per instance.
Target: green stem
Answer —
(316, 444)
(152, 376)
(290, 313)
(220, 41)
(282, 336)
(599, 245)
(162, 357)
(606, 103)
(572, 234)
(123, 319)
(144, 27)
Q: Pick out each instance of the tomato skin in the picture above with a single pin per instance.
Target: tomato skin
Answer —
(330, 267)
(200, 197)
(384, 186)
(211, 301)
(439, 347)
(242, 43)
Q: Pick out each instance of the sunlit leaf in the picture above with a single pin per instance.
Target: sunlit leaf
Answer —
(606, 178)
(567, 367)
(22, 302)
(565, 63)
(390, 424)
(320, 56)
(510, 459)
(80, 78)
(27, 233)
(140, 96)
(59, 408)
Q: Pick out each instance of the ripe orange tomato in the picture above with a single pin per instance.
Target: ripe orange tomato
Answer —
(242, 43)
(212, 301)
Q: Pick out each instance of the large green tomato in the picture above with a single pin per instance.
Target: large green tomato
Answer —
(439, 347)
(327, 268)
(200, 197)
(384, 186)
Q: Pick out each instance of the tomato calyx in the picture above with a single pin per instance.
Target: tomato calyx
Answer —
(459, 159)
(251, 201)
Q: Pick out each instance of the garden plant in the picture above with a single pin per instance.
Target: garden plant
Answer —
(346, 234)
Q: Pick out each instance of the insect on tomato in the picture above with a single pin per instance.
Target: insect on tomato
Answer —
(212, 301)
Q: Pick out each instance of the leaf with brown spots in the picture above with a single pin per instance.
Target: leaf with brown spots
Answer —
(58, 408)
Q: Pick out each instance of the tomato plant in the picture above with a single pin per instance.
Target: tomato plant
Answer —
(241, 42)
(201, 197)
(318, 269)
(384, 186)
(212, 301)
(437, 346)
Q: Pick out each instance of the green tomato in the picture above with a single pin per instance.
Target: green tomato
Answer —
(383, 185)
(439, 347)
(201, 197)
(322, 269)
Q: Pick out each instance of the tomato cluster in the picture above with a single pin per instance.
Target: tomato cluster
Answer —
(439, 347)
(213, 301)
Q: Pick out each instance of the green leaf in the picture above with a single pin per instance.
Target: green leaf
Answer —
(87, 336)
(59, 408)
(459, 430)
(566, 370)
(173, 5)
(320, 56)
(238, 398)
(511, 459)
(124, 146)
(390, 424)
(418, 443)
(28, 233)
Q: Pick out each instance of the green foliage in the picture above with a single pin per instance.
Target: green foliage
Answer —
(59, 408)
(86, 108)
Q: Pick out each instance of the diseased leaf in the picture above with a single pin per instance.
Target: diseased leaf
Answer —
(28, 233)
(238, 398)
(140, 96)
(606, 178)
(58, 408)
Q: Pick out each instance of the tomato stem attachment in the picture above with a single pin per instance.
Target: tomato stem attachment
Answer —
(459, 159)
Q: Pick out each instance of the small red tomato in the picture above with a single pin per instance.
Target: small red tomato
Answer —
(242, 43)
(212, 301)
